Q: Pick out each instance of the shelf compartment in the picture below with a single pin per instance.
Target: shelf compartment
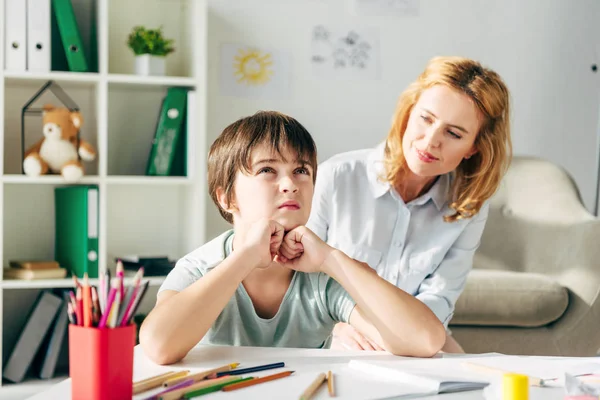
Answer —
(130, 207)
(28, 223)
(133, 113)
(175, 18)
(17, 94)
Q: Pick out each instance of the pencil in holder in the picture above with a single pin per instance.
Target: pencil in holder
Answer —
(101, 362)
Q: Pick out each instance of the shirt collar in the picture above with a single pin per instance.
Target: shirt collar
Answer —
(376, 169)
(438, 193)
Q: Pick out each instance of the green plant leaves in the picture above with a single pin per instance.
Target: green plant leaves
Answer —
(149, 41)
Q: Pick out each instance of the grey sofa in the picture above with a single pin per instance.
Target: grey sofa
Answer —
(535, 284)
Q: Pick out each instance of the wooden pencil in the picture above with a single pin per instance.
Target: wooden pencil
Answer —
(155, 382)
(330, 386)
(87, 301)
(534, 381)
(310, 391)
(164, 375)
(177, 394)
(197, 377)
(256, 381)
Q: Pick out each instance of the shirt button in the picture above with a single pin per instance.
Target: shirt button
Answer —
(398, 243)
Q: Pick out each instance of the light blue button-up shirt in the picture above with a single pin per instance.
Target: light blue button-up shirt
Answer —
(409, 245)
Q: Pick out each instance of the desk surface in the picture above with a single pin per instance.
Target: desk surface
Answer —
(306, 362)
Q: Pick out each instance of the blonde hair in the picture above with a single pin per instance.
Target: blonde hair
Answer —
(477, 178)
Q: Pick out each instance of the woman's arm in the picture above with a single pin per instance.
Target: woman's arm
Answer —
(181, 319)
(386, 314)
(405, 325)
(440, 290)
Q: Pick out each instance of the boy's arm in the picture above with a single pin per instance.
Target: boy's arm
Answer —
(399, 322)
(181, 319)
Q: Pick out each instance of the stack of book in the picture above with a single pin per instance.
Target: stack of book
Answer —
(34, 270)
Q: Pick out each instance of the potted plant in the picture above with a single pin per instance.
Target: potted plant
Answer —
(150, 48)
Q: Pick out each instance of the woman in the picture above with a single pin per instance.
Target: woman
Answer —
(414, 207)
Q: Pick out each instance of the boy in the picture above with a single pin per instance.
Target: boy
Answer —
(271, 281)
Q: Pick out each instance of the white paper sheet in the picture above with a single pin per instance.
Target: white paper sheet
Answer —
(252, 71)
(345, 52)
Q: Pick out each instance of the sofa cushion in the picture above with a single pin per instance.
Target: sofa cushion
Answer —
(507, 298)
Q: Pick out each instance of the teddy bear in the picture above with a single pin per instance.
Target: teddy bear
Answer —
(57, 151)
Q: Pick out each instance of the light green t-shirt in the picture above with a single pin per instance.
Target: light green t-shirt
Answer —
(312, 305)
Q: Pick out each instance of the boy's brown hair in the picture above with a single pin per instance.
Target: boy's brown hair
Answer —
(232, 150)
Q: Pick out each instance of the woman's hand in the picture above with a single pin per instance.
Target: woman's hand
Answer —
(345, 337)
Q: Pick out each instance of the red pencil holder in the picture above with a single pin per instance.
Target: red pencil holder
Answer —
(101, 362)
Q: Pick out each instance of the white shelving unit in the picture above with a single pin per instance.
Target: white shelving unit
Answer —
(138, 214)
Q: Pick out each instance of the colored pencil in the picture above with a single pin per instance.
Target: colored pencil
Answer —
(213, 388)
(330, 386)
(252, 369)
(95, 307)
(79, 310)
(74, 304)
(131, 294)
(176, 394)
(76, 283)
(71, 314)
(121, 276)
(87, 301)
(100, 291)
(165, 375)
(155, 382)
(107, 280)
(137, 302)
(201, 375)
(256, 381)
(109, 302)
(183, 384)
(114, 311)
(310, 391)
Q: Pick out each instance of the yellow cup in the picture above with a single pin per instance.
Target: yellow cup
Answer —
(515, 387)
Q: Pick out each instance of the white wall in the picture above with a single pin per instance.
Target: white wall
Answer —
(543, 49)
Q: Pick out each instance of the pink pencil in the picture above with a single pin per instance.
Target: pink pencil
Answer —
(136, 287)
(111, 297)
(121, 276)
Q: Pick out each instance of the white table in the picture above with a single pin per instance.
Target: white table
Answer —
(306, 362)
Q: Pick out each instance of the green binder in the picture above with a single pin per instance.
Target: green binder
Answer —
(86, 17)
(168, 142)
(69, 34)
(76, 241)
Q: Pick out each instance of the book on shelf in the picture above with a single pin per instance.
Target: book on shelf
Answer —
(76, 239)
(32, 274)
(38, 323)
(417, 381)
(34, 264)
(55, 340)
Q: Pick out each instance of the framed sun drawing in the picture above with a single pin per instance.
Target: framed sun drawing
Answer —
(253, 71)
(253, 67)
